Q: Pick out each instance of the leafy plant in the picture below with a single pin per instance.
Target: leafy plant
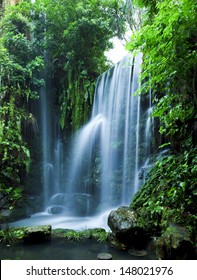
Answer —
(97, 234)
(169, 193)
(11, 235)
(167, 39)
(73, 235)
(19, 83)
(83, 30)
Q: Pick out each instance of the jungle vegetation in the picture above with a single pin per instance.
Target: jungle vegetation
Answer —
(168, 40)
(46, 35)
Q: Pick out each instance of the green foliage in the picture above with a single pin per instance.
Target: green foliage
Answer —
(76, 38)
(168, 42)
(98, 234)
(167, 38)
(67, 37)
(169, 194)
(11, 235)
(14, 235)
(19, 83)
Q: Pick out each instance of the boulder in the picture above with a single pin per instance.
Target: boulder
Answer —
(174, 243)
(124, 225)
(37, 234)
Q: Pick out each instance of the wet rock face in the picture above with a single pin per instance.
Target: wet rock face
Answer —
(123, 223)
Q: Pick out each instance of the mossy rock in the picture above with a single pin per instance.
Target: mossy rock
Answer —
(37, 234)
(124, 224)
(175, 243)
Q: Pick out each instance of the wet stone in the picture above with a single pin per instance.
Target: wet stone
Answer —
(137, 253)
(104, 256)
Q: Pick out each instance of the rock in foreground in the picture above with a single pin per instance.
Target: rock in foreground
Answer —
(124, 225)
(175, 243)
(37, 234)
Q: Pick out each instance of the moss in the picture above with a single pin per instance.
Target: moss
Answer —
(37, 234)
(98, 234)
(44, 233)
(175, 243)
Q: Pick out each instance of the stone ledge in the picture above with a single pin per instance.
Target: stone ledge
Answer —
(37, 234)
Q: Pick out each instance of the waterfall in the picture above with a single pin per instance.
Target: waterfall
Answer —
(109, 156)
(108, 152)
(51, 146)
(148, 135)
(46, 166)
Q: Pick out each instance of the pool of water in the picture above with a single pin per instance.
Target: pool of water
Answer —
(61, 249)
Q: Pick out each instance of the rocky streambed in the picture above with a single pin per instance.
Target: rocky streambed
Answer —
(126, 239)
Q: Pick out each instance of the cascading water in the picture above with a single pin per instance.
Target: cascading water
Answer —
(46, 166)
(148, 135)
(108, 156)
(52, 147)
(107, 153)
